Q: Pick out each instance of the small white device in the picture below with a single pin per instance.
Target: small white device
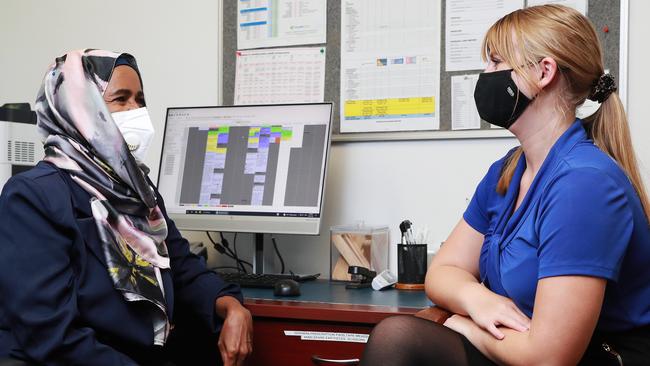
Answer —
(383, 280)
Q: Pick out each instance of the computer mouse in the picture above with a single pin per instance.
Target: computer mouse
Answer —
(286, 288)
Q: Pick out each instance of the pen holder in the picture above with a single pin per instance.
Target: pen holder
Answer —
(411, 266)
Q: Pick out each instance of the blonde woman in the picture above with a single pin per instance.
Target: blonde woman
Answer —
(549, 264)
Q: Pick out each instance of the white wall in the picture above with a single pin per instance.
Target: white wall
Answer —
(176, 45)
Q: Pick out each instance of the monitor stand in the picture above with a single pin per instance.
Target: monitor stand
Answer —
(258, 259)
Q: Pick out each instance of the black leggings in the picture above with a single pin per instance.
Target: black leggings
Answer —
(407, 340)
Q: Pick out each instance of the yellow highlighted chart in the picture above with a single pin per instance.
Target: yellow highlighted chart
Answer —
(388, 108)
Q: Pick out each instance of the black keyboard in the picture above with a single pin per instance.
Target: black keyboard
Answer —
(264, 280)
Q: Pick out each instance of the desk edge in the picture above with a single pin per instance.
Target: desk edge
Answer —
(321, 311)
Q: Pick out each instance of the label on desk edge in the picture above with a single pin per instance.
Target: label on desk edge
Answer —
(308, 335)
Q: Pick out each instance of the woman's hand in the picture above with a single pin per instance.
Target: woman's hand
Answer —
(460, 324)
(489, 310)
(236, 338)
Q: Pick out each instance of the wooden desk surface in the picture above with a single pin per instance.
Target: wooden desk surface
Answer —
(331, 301)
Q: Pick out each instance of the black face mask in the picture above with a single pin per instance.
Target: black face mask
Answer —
(498, 100)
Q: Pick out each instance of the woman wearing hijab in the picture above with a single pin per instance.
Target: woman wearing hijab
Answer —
(92, 271)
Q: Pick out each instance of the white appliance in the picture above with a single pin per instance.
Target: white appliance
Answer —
(20, 143)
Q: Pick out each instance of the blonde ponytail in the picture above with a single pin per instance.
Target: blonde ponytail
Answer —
(609, 129)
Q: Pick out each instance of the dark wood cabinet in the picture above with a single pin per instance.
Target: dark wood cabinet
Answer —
(332, 311)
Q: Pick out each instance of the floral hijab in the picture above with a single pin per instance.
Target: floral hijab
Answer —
(82, 139)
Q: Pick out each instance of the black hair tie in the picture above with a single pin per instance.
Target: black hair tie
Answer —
(602, 88)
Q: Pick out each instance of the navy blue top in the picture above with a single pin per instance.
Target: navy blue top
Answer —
(58, 305)
(580, 216)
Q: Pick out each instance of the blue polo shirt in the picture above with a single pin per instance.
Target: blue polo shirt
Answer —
(580, 216)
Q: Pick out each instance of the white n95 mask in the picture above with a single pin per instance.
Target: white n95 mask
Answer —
(137, 130)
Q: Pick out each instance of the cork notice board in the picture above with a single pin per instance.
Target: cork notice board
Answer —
(610, 15)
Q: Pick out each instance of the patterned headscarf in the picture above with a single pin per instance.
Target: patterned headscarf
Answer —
(82, 139)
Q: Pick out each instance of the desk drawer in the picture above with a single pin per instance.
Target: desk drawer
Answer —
(272, 347)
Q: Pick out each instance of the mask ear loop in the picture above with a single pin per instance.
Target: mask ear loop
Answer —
(519, 92)
(532, 98)
(514, 108)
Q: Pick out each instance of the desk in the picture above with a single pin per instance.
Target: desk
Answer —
(326, 307)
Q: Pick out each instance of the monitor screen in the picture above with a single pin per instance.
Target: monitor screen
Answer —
(257, 169)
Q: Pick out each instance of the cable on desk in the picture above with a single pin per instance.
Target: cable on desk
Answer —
(234, 245)
(223, 248)
(277, 251)
(233, 252)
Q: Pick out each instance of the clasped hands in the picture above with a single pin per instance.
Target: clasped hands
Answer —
(488, 311)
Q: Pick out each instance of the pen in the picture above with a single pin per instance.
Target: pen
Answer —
(411, 238)
(402, 229)
(407, 234)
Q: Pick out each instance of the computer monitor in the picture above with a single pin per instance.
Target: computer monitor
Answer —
(256, 169)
